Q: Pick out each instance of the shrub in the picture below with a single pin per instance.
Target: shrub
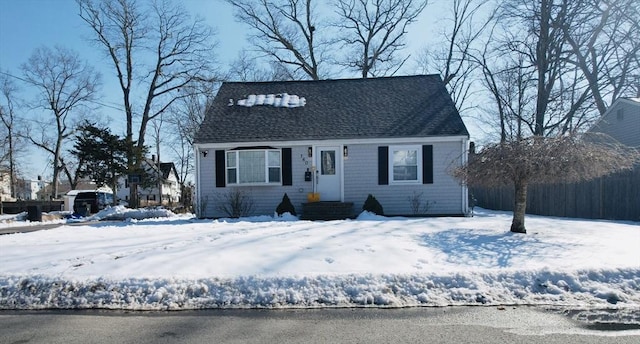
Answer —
(286, 206)
(418, 206)
(235, 204)
(372, 205)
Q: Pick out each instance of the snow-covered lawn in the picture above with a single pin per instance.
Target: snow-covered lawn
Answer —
(180, 262)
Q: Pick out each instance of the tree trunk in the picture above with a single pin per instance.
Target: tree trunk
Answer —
(520, 206)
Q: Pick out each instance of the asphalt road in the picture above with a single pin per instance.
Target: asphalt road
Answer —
(411, 325)
(42, 226)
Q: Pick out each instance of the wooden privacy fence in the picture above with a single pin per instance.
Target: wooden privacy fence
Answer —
(614, 197)
(20, 206)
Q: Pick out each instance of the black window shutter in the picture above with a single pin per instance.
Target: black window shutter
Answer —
(427, 164)
(383, 165)
(220, 169)
(287, 173)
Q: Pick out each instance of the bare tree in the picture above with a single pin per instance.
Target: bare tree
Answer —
(372, 33)
(604, 39)
(11, 142)
(543, 160)
(65, 83)
(544, 94)
(452, 60)
(509, 80)
(159, 47)
(157, 137)
(286, 31)
(247, 68)
(184, 119)
(534, 30)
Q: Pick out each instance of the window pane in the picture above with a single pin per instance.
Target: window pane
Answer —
(274, 159)
(405, 173)
(405, 164)
(231, 176)
(231, 159)
(274, 174)
(405, 157)
(251, 165)
(328, 164)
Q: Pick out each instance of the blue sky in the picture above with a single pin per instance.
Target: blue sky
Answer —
(28, 24)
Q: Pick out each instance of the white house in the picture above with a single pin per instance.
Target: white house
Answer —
(169, 187)
(394, 137)
(29, 189)
(5, 186)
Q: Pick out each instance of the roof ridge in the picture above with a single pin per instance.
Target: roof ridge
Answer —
(335, 80)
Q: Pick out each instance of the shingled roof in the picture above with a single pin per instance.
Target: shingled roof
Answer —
(390, 107)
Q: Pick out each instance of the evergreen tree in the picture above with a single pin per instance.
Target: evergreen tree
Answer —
(102, 156)
(371, 204)
(286, 206)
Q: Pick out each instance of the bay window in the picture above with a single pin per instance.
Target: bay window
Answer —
(253, 167)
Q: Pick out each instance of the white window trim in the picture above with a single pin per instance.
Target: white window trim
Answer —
(418, 150)
(266, 167)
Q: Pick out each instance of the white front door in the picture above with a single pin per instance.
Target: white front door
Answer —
(328, 173)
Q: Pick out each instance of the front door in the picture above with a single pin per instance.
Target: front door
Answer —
(328, 173)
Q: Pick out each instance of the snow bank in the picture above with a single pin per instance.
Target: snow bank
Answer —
(543, 287)
(169, 262)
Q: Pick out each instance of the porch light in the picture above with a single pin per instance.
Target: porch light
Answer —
(310, 151)
(204, 153)
(345, 151)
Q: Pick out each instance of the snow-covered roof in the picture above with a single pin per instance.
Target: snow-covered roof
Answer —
(100, 189)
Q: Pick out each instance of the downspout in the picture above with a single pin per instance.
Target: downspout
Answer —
(196, 200)
(465, 191)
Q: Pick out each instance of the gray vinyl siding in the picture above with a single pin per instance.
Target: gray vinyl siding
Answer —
(265, 198)
(624, 128)
(361, 179)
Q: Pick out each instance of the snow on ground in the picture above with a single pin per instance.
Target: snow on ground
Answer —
(179, 262)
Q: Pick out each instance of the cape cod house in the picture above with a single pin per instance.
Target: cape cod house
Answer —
(392, 137)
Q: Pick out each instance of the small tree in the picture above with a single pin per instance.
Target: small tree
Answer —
(538, 160)
(286, 206)
(371, 204)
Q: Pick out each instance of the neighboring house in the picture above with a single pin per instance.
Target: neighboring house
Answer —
(394, 137)
(28, 190)
(5, 186)
(621, 122)
(169, 185)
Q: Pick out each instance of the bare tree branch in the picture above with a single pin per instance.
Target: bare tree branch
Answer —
(286, 31)
(372, 32)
